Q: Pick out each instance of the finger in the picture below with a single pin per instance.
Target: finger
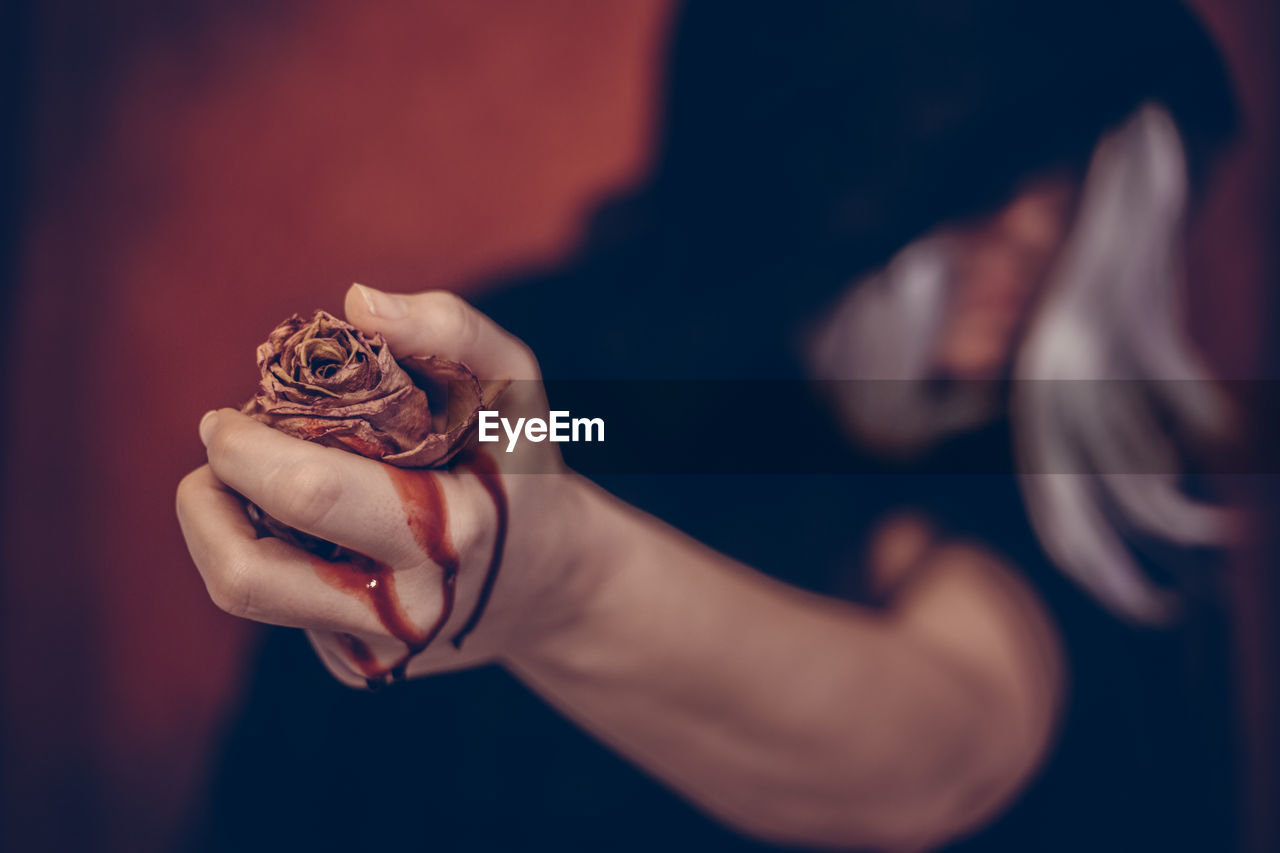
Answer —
(261, 579)
(326, 492)
(327, 647)
(441, 323)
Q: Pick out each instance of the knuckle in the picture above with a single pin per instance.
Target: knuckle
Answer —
(227, 442)
(303, 493)
(186, 490)
(231, 588)
(524, 359)
(450, 316)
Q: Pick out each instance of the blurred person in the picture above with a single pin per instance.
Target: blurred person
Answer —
(1002, 633)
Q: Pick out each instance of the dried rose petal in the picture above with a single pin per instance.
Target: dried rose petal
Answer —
(324, 380)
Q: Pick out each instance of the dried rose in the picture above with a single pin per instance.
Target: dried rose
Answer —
(324, 380)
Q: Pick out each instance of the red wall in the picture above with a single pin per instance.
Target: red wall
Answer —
(197, 179)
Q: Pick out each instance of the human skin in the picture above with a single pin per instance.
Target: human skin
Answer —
(1003, 260)
(789, 716)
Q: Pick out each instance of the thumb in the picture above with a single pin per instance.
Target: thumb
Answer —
(440, 323)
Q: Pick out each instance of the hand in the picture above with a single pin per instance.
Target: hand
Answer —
(449, 569)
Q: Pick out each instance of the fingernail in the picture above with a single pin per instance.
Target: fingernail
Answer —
(207, 423)
(388, 306)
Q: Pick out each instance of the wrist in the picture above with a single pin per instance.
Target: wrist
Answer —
(581, 534)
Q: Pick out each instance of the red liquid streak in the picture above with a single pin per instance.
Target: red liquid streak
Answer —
(362, 577)
(428, 520)
(487, 473)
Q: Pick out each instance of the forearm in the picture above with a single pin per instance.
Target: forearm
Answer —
(787, 715)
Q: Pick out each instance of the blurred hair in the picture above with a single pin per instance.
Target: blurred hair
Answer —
(837, 132)
(807, 142)
(1099, 464)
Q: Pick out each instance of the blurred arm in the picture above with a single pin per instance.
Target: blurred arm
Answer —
(798, 718)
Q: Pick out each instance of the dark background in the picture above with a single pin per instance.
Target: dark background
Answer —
(178, 177)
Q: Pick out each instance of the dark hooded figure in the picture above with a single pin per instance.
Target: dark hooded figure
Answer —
(919, 223)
